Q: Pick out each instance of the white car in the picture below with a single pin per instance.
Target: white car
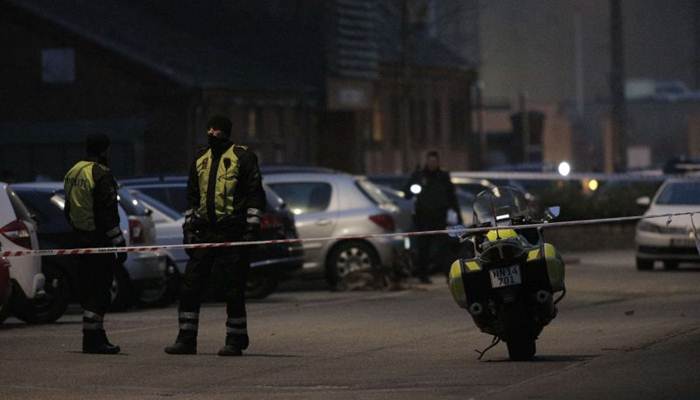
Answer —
(674, 242)
(18, 232)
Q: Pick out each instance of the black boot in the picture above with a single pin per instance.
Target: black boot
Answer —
(95, 342)
(186, 343)
(234, 346)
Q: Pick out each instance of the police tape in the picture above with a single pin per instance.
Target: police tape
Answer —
(457, 230)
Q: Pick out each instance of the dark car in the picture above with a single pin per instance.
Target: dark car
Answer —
(142, 278)
(269, 263)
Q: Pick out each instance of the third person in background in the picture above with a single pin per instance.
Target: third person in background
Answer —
(435, 196)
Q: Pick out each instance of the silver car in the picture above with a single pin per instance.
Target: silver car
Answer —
(337, 204)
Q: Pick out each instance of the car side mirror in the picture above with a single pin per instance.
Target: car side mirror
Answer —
(552, 213)
(644, 201)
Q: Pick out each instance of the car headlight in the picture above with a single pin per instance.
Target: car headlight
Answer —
(646, 226)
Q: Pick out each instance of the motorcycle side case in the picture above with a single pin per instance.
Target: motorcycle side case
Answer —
(555, 265)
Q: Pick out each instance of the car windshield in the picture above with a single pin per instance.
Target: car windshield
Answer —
(152, 203)
(680, 193)
(172, 195)
(500, 206)
(373, 192)
(130, 204)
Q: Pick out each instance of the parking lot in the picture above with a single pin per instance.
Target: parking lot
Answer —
(620, 333)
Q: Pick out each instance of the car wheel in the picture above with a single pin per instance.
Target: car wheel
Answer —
(670, 265)
(644, 264)
(121, 291)
(167, 290)
(5, 307)
(351, 265)
(260, 285)
(53, 304)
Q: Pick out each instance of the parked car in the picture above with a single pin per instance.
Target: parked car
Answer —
(405, 219)
(5, 289)
(18, 232)
(141, 279)
(269, 264)
(671, 242)
(405, 207)
(337, 204)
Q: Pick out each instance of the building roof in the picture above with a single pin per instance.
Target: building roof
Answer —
(244, 44)
(194, 44)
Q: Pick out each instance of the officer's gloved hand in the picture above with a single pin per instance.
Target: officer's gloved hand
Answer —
(117, 239)
(252, 231)
(121, 258)
(190, 230)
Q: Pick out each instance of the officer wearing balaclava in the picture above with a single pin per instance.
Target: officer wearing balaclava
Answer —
(226, 200)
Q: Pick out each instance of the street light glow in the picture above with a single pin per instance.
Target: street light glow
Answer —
(564, 168)
(416, 188)
(593, 185)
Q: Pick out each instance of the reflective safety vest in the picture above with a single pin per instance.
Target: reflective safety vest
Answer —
(226, 180)
(79, 185)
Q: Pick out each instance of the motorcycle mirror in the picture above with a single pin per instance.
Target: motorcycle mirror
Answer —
(552, 212)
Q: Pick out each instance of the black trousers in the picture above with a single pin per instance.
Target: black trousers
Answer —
(95, 275)
(233, 263)
(432, 253)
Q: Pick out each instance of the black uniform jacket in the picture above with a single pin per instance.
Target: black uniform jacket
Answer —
(437, 195)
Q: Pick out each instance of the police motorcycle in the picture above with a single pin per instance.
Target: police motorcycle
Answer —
(508, 286)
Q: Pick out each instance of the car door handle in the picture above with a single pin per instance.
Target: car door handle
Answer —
(323, 222)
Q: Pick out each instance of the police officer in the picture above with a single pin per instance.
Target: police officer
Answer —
(91, 209)
(226, 199)
(435, 195)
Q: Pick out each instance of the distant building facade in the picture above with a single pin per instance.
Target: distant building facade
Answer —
(308, 82)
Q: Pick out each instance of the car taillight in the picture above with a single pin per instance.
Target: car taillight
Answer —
(18, 233)
(136, 232)
(270, 221)
(384, 220)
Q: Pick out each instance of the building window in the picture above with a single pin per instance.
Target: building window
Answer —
(419, 121)
(58, 65)
(396, 121)
(254, 122)
(458, 131)
(280, 121)
(377, 122)
(437, 122)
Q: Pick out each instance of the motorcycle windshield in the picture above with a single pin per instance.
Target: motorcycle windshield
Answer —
(500, 206)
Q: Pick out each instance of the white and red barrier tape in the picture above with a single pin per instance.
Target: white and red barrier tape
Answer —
(398, 235)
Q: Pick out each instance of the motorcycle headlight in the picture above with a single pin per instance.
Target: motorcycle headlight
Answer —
(646, 226)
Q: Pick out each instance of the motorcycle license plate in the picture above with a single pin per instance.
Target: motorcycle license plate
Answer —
(507, 276)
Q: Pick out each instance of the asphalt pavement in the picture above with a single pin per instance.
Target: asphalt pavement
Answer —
(620, 334)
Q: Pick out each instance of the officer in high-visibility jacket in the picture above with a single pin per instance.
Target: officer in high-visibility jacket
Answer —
(91, 209)
(226, 200)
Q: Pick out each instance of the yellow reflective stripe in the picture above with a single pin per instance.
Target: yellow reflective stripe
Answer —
(549, 252)
(500, 234)
(226, 181)
(472, 266)
(79, 185)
